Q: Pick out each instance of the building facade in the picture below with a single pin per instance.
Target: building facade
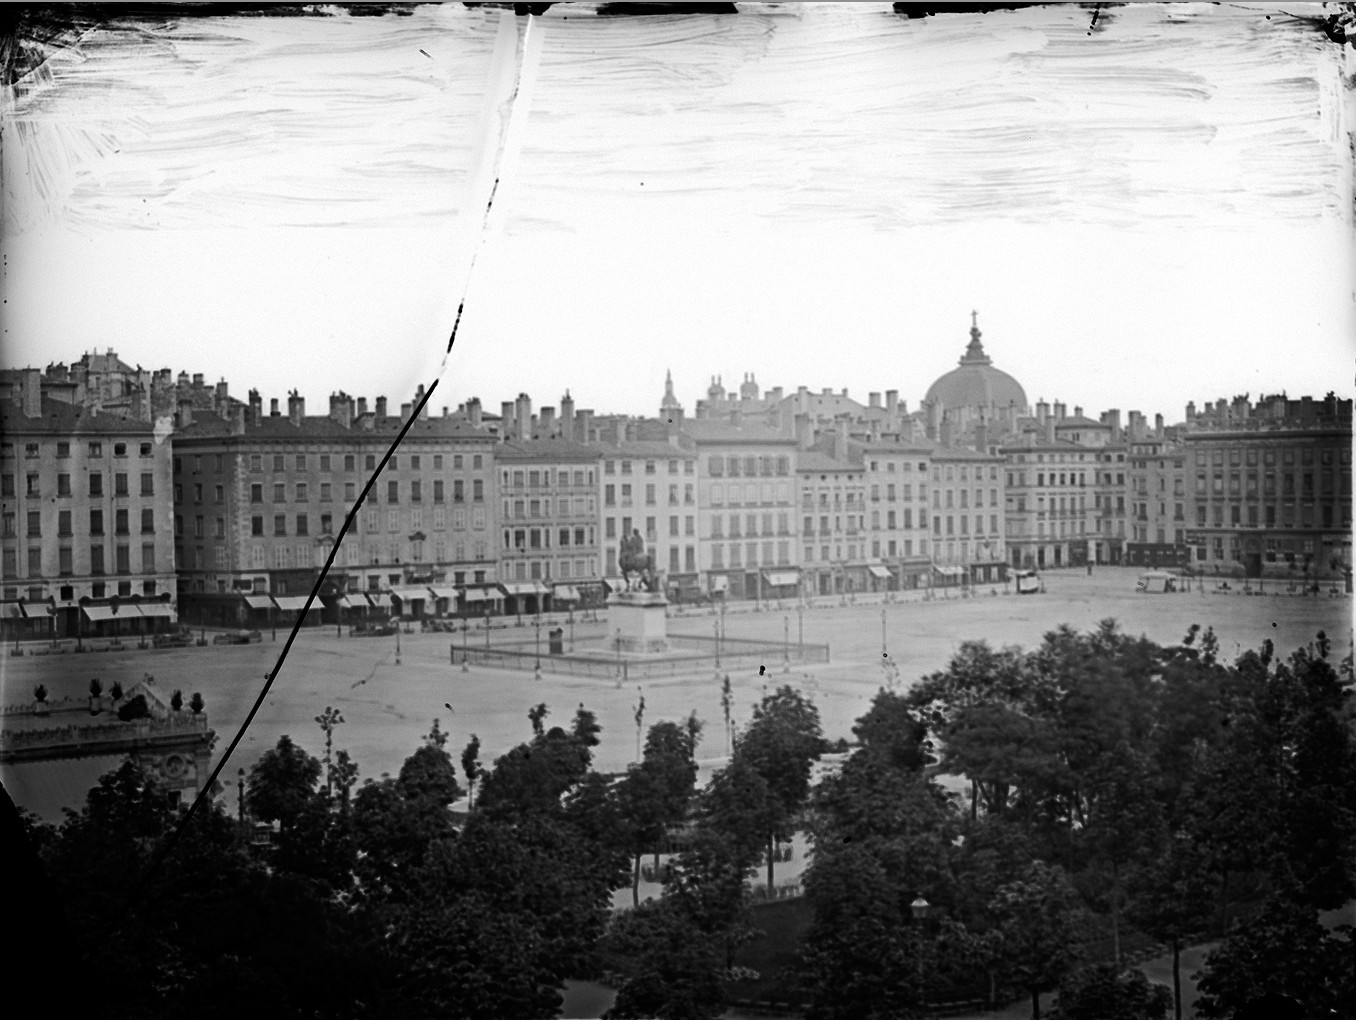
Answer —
(650, 487)
(549, 551)
(260, 501)
(896, 479)
(1270, 488)
(969, 516)
(86, 540)
(746, 506)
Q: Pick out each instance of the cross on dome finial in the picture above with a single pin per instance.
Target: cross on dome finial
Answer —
(974, 351)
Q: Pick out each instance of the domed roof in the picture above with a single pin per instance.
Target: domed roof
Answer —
(976, 383)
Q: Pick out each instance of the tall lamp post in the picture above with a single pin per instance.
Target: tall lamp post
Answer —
(800, 629)
(397, 644)
(571, 628)
(884, 648)
(536, 671)
(465, 645)
(619, 658)
(920, 909)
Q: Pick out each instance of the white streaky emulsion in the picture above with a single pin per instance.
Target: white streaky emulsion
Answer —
(1151, 213)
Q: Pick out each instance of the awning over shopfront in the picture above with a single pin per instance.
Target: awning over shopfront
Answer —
(566, 592)
(480, 595)
(11, 611)
(720, 583)
(352, 602)
(258, 601)
(781, 577)
(410, 594)
(522, 588)
(293, 603)
(96, 613)
(878, 571)
(443, 592)
(950, 570)
(379, 599)
(154, 609)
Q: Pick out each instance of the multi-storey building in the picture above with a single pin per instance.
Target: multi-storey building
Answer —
(548, 492)
(1270, 488)
(835, 555)
(1156, 497)
(1109, 502)
(86, 546)
(897, 511)
(260, 500)
(650, 487)
(1051, 505)
(745, 477)
(969, 510)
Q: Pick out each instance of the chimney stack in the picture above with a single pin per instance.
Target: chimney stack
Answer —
(1078, 412)
(548, 422)
(1050, 421)
(567, 416)
(1042, 411)
(873, 399)
(273, 407)
(523, 416)
(238, 420)
(584, 428)
(31, 384)
(362, 406)
(1190, 411)
(380, 409)
(185, 412)
(473, 412)
(296, 407)
(506, 427)
(405, 410)
(418, 396)
(256, 407)
(891, 400)
(197, 380)
(1059, 410)
(341, 409)
(1158, 426)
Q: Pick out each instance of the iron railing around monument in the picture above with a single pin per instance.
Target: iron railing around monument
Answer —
(693, 655)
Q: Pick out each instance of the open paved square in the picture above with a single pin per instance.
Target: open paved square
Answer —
(388, 707)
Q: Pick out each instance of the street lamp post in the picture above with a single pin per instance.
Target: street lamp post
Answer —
(571, 628)
(465, 646)
(487, 628)
(884, 648)
(537, 669)
(920, 908)
(397, 662)
(800, 630)
(619, 658)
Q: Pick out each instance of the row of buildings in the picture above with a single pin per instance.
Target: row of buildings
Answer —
(132, 499)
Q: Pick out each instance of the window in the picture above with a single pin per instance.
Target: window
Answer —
(301, 492)
(437, 489)
(120, 522)
(148, 484)
(147, 521)
(279, 492)
(478, 486)
(124, 559)
(280, 524)
(303, 524)
(256, 525)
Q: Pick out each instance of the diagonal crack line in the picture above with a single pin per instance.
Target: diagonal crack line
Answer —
(167, 846)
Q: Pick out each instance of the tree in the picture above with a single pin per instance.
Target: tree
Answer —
(177, 700)
(40, 693)
(115, 692)
(536, 715)
(196, 704)
(463, 959)
(892, 729)
(1171, 898)
(781, 744)
(1105, 992)
(1283, 950)
(95, 688)
(677, 974)
(470, 766)
(328, 720)
(1035, 918)
(429, 772)
(281, 783)
(727, 705)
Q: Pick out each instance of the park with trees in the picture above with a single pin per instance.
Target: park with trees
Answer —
(1019, 823)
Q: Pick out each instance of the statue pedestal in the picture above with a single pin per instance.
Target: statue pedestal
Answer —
(638, 621)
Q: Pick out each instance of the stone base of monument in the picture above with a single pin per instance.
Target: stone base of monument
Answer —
(638, 621)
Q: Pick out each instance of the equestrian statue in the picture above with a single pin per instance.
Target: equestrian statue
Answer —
(633, 559)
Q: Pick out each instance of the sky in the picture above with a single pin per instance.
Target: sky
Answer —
(1147, 210)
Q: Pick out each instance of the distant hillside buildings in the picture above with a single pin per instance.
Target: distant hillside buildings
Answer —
(135, 498)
